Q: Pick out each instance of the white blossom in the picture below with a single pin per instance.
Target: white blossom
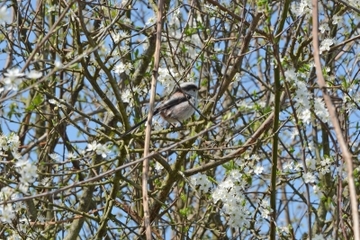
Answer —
(311, 163)
(305, 116)
(309, 177)
(202, 181)
(258, 170)
(28, 172)
(324, 27)
(34, 74)
(13, 79)
(325, 45)
(98, 148)
(123, 68)
(92, 146)
(55, 157)
(7, 213)
(337, 19)
(229, 192)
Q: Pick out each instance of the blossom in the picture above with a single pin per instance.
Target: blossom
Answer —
(145, 44)
(336, 19)
(321, 111)
(166, 78)
(121, 67)
(304, 7)
(91, 146)
(57, 103)
(28, 172)
(311, 163)
(70, 155)
(258, 170)
(98, 148)
(229, 192)
(317, 191)
(34, 74)
(6, 193)
(158, 167)
(288, 166)
(20, 163)
(7, 213)
(13, 79)
(116, 37)
(202, 181)
(10, 143)
(127, 21)
(13, 141)
(294, 134)
(150, 21)
(305, 116)
(58, 64)
(54, 156)
(302, 96)
(325, 45)
(102, 150)
(125, 48)
(23, 187)
(309, 177)
(265, 209)
(124, 34)
(126, 96)
(324, 27)
(16, 154)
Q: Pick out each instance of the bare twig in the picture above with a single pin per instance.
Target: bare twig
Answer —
(149, 120)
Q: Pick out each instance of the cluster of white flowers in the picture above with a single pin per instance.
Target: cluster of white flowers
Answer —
(127, 95)
(13, 78)
(302, 7)
(151, 21)
(291, 166)
(309, 177)
(98, 148)
(324, 27)
(321, 111)
(325, 165)
(302, 100)
(265, 209)
(58, 104)
(27, 171)
(120, 36)
(174, 21)
(325, 44)
(123, 68)
(202, 181)
(7, 211)
(234, 203)
(166, 78)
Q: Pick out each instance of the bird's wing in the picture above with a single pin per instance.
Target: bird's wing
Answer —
(172, 102)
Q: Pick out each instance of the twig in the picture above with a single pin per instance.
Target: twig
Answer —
(149, 120)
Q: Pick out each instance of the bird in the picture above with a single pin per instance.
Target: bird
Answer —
(180, 105)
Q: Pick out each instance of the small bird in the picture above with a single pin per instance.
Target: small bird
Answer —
(177, 108)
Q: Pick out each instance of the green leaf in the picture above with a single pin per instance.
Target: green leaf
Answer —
(36, 101)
